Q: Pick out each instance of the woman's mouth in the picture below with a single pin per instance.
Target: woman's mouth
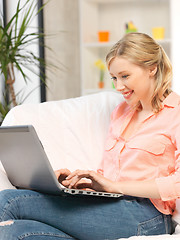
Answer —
(128, 94)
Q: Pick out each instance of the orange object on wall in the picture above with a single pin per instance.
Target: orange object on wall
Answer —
(103, 36)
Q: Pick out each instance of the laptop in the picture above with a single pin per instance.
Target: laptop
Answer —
(27, 165)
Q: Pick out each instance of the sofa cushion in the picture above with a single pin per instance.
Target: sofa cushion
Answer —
(72, 131)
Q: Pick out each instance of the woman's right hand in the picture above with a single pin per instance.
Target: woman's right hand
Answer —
(62, 174)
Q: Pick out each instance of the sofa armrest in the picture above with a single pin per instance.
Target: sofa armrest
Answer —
(4, 181)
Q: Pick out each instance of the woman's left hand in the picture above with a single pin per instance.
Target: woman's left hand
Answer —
(98, 182)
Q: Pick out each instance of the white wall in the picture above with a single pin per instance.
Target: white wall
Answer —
(175, 36)
(1, 77)
(61, 25)
(19, 83)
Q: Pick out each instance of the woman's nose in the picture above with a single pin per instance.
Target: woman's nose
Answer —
(119, 86)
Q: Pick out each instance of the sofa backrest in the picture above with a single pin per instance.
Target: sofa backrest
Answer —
(72, 131)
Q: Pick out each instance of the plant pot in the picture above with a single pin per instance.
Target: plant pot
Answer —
(101, 84)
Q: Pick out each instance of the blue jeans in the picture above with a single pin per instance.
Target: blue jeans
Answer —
(37, 216)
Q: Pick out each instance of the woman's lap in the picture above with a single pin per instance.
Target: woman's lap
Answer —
(85, 217)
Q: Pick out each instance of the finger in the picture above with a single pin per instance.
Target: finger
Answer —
(62, 177)
(73, 174)
(65, 183)
(81, 174)
(83, 185)
(62, 174)
(58, 172)
(71, 183)
(77, 175)
(63, 170)
(80, 184)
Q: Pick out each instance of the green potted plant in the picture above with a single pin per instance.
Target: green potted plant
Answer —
(14, 53)
(101, 66)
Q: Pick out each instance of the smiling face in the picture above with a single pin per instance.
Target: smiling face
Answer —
(134, 82)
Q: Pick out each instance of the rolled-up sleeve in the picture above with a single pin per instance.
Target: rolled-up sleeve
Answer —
(169, 186)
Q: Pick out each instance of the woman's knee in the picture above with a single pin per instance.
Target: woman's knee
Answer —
(10, 195)
(29, 229)
(6, 197)
(9, 200)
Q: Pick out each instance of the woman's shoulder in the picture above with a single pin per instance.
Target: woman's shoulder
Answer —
(172, 100)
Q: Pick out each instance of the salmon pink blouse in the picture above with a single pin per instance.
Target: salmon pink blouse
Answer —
(153, 152)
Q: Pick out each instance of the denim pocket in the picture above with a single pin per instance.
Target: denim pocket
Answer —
(154, 226)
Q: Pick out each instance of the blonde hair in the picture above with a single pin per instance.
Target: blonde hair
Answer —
(142, 50)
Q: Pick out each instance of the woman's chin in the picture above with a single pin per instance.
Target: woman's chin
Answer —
(132, 103)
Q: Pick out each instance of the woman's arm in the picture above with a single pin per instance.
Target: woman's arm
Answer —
(146, 189)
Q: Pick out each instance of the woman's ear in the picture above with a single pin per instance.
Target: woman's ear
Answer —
(153, 70)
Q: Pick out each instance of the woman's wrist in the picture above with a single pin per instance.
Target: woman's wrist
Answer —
(116, 187)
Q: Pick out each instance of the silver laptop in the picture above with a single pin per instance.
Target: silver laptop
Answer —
(27, 165)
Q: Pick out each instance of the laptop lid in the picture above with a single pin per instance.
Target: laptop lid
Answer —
(25, 161)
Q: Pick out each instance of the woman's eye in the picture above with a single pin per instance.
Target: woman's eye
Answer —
(114, 78)
(125, 76)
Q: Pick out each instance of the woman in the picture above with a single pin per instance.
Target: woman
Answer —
(141, 160)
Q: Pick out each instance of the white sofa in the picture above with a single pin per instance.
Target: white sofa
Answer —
(73, 132)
